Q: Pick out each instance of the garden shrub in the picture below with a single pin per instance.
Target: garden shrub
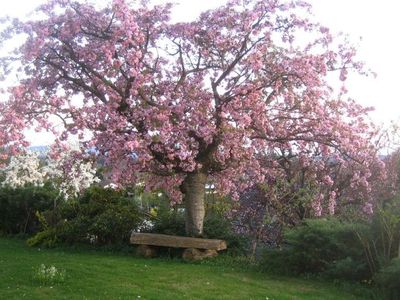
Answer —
(385, 232)
(107, 217)
(388, 279)
(324, 246)
(100, 217)
(18, 207)
(349, 268)
(169, 221)
(114, 225)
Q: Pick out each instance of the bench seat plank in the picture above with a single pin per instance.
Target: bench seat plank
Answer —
(164, 240)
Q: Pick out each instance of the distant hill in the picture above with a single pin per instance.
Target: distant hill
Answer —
(42, 150)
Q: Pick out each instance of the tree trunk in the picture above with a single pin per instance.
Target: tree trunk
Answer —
(193, 188)
(398, 253)
(254, 243)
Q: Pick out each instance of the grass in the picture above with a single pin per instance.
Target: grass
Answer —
(106, 275)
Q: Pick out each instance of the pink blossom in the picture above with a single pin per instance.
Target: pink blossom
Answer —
(161, 100)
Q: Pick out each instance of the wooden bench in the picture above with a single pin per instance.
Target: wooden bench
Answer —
(195, 248)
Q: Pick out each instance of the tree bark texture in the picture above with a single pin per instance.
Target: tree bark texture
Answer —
(193, 188)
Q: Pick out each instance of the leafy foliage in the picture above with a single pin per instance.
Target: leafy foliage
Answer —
(170, 222)
(385, 230)
(348, 251)
(381, 241)
(324, 246)
(18, 207)
(389, 279)
(100, 217)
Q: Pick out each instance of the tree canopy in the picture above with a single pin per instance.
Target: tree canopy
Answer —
(226, 98)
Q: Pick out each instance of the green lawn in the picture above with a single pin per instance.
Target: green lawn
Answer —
(99, 275)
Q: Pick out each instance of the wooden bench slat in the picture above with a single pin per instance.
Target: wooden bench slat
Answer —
(164, 240)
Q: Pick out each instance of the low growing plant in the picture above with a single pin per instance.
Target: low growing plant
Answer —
(47, 275)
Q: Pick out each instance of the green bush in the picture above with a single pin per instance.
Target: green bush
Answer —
(385, 232)
(18, 207)
(349, 268)
(114, 225)
(169, 221)
(99, 217)
(325, 247)
(388, 279)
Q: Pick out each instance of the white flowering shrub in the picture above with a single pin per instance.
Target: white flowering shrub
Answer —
(70, 174)
(24, 169)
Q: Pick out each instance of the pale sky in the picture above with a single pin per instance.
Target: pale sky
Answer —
(376, 22)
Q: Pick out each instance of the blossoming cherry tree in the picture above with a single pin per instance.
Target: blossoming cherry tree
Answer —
(188, 103)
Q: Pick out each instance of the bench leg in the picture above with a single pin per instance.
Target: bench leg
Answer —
(146, 251)
(193, 254)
